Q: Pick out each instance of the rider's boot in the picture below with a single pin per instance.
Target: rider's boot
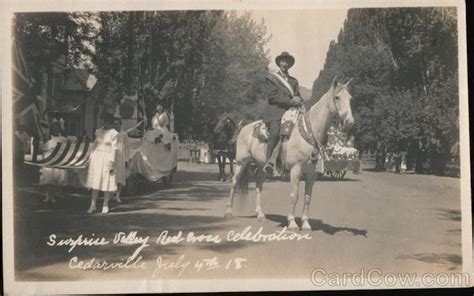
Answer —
(269, 166)
(253, 168)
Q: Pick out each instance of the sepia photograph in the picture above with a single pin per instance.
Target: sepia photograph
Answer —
(238, 146)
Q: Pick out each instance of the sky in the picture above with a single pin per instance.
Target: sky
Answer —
(305, 34)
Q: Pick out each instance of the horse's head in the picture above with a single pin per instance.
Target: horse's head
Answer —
(218, 126)
(225, 124)
(341, 101)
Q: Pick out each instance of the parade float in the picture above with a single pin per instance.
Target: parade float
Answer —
(341, 154)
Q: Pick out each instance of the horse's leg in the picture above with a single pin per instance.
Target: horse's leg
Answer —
(235, 180)
(295, 182)
(231, 166)
(220, 166)
(308, 190)
(224, 157)
(222, 170)
(258, 189)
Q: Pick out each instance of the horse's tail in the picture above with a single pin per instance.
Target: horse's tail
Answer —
(242, 188)
(243, 157)
(242, 204)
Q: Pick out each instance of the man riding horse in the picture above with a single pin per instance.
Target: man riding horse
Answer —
(282, 94)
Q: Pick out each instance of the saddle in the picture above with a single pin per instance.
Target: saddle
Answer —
(288, 121)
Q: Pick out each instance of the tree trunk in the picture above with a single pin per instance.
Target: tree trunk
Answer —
(172, 115)
(131, 54)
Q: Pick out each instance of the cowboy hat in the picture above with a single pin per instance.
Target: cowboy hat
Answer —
(287, 56)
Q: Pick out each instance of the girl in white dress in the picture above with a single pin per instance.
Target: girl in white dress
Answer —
(102, 172)
(52, 178)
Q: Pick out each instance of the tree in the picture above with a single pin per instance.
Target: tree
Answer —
(43, 38)
(200, 64)
(404, 65)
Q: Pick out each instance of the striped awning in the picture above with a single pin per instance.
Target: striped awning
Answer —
(66, 155)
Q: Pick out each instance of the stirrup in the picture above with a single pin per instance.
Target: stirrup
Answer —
(253, 168)
(268, 168)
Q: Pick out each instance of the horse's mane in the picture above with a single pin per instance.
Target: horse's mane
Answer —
(336, 90)
(318, 104)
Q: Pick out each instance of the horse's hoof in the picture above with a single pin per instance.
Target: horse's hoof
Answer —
(292, 225)
(91, 210)
(305, 225)
(261, 217)
(228, 215)
(105, 210)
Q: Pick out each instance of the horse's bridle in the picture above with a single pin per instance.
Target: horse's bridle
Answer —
(335, 104)
(311, 138)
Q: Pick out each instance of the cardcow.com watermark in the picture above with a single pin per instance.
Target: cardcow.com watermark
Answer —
(375, 277)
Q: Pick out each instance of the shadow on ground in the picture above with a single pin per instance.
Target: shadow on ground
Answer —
(33, 233)
(35, 221)
(330, 179)
(452, 261)
(449, 215)
(318, 225)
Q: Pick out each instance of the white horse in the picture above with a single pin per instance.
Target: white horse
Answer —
(295, 152)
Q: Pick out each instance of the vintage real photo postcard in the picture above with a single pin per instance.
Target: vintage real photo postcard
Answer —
(191, 146)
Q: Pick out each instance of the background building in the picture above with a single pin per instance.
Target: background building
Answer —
(75, 98)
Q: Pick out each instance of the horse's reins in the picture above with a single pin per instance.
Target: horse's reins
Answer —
(308, 133)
